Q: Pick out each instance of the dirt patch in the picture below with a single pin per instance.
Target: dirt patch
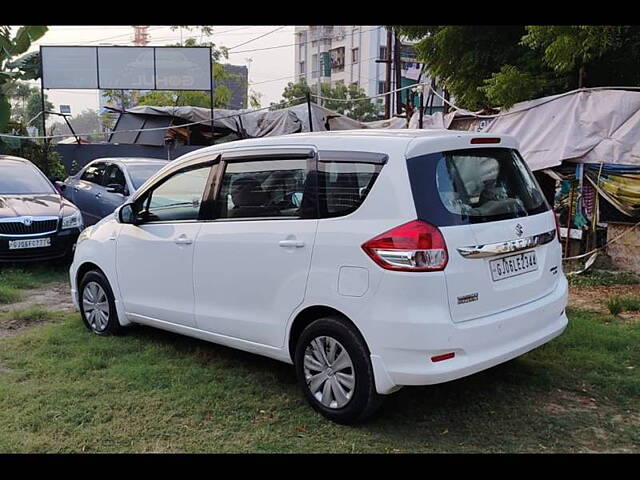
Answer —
(569, 402)
(54, 297)
(595, 298)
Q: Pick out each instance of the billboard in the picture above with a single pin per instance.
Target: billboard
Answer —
(126, 68)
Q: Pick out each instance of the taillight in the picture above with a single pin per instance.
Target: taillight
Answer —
(416, 246)
(557, 219)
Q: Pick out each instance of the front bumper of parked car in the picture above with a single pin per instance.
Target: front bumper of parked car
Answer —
(62, 245)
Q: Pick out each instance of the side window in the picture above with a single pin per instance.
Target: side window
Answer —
(94, 173)
(114, 176)
(265, 188)
(178, 198)
(343, 186)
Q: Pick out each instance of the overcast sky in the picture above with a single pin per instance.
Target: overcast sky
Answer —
(266, 67)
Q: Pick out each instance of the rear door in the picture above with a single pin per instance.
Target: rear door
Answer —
(252, 259)
(499, 230)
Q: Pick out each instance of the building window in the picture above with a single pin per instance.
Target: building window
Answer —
(355, 55)
(382, 86)
(302, 68)
(383, 52)
(337, 59)
(315, 68)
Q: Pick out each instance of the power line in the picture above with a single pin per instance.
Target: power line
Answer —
(257, 38)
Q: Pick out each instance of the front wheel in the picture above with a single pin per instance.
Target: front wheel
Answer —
(97, 304)
(334, 370)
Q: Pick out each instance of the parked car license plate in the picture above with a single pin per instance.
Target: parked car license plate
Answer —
(31, 243)
(513, 265)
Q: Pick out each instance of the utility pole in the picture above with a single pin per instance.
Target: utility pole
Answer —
(387, 81)
(398, 73)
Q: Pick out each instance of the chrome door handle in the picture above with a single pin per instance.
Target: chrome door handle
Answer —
(291, 243)
(98, 195)
(183, 240)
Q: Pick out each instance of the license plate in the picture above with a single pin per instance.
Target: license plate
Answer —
(31, 243)
(513, 265)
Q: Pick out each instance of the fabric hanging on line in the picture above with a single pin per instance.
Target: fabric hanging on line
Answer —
(619, 185)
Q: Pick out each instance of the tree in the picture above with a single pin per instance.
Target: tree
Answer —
(485, 66)
(355, 107)
(20, 69)
(87, 121)
(27, 105)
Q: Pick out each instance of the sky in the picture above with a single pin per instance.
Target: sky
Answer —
(269, 70)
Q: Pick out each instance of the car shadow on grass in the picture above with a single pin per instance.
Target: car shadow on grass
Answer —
(493, 402)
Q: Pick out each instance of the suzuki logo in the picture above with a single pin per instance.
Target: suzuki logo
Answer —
(27, 221)
(519, 230)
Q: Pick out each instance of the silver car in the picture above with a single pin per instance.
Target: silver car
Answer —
(105, 183)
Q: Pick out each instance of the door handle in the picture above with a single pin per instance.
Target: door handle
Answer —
(183, 240)
(76, 189)
(291, 243)
(98, 195)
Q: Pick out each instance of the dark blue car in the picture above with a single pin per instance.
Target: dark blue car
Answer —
(105, 183)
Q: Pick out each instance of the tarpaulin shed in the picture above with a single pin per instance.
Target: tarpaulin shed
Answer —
(242, 123)
(591, 125)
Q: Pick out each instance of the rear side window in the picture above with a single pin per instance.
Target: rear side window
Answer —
(264, 188)
(474, 186)
(343, 186)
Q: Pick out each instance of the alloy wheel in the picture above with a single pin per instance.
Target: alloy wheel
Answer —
(96, 306)
(329, 372)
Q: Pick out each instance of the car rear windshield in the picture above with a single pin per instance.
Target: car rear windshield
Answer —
(140, 173)
(22, 179)
(476, 185)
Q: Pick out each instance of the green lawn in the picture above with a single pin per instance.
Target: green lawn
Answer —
(13, 279)
(63, 389)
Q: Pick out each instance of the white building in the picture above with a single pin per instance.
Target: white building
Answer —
(347, 54)
(342, 54)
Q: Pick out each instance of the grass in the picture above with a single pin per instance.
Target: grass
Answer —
(603, 278)
(13, 279)
(618, 304)
(63, 389)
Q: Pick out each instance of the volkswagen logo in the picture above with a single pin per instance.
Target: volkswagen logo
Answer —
(519, 230)
(27, 221)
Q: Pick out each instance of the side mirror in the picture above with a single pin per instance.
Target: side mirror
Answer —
(127, 214)
(115, 188)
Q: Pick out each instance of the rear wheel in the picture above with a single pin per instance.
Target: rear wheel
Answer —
(334, 370)
(97, 304)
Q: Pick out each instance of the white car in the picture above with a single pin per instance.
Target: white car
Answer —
(370, 259)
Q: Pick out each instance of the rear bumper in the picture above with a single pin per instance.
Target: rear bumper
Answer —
(478, 344)
(62, 244)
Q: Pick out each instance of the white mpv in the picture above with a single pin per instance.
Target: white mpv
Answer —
(370, 259)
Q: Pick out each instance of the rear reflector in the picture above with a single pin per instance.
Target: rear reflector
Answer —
(485, 140)
(416, 246)
(556, 217)
(444, 356)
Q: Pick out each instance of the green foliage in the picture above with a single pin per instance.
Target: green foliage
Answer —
(35, 152)
(594, 278)
(500, 65)
(12, 45)
(512, 85)
(356, 108)
(618, 304)
(9, 294)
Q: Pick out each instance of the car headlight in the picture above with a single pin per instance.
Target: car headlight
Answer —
(84, 235)
(72, 221)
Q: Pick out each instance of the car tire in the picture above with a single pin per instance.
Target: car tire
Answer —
(97, 304)
(347, 394)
